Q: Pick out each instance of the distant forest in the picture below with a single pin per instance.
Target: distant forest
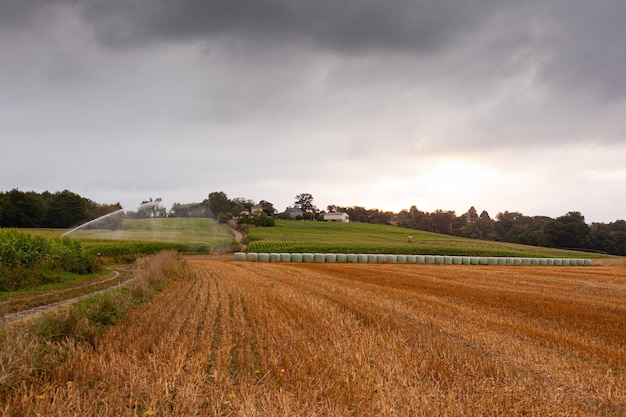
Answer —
(569, 231)
(61, 209)
(66, 209)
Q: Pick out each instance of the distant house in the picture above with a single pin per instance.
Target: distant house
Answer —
(256, 209)
(294, 212)
(337, 217)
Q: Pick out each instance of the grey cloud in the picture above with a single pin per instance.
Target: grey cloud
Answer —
(346, 26)
(586, 50)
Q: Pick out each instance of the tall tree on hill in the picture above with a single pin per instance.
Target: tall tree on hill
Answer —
(267, 207)
(304, 202)
(219, 204)
(151, 208)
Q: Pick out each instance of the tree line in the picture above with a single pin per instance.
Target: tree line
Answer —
(62, 209)
(569, 231)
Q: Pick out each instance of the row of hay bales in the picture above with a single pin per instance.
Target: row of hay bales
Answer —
(403, 259)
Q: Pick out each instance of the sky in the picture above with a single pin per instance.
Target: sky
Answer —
(441, 104)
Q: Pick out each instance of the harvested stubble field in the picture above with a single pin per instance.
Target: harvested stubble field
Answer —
(252, 339)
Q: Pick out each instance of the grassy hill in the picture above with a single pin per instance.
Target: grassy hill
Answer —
(307, 236)
(206, 235)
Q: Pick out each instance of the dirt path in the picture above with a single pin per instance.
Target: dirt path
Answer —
(239, 238)
(18, 307)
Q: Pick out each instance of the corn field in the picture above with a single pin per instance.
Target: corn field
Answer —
(262, 339)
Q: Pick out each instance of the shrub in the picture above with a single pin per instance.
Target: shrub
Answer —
(264, 221)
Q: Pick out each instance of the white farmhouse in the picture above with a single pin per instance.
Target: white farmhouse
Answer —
(337, 217)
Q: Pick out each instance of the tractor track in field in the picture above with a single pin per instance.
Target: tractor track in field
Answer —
(19, 307)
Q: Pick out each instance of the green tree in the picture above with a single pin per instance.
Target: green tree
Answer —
(568, 231)
(151, 208)
(239, 204)
(66, 209)
(472, 215)
(21, 209)
(267, 207)
(304, 202)
(219, 205)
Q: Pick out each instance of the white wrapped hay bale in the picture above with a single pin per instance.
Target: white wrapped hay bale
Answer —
(438, 259)
(474, 260)
(285, 257)
(466, 260)
(501, 261)
(361, 258)
(411, 259)
(549, 261)
(420, 259)
(492, 261)
(240, 256)
(319, 257)
(457, 260)
(330, 257)
(372, 258)
(401, 259)
(565, 262)
(543, 261)
(296, 257)
(274, 257)
(447, 260)
(252, 257)
(264, 257)
(525, 261)
(307, 257)
(482, 261)
(588, 262)
(380, 258)
(534, 261)
(557, 262)
(392, 259)
(341, 257)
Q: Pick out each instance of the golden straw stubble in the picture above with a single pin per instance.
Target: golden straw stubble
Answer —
(271, 339)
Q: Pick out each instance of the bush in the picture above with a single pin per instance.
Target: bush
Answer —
(68, 256)
(264, 221)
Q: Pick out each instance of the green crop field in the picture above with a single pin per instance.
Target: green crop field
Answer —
(308, 236)
(151, 235)
(206, 235)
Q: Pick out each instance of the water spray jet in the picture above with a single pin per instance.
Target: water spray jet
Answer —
(93, 221)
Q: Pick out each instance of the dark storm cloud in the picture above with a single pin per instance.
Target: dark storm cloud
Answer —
(586, 54)
(346, 26)
(575, 45)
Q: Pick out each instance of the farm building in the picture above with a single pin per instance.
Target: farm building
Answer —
(294, 212)
(337, 217)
